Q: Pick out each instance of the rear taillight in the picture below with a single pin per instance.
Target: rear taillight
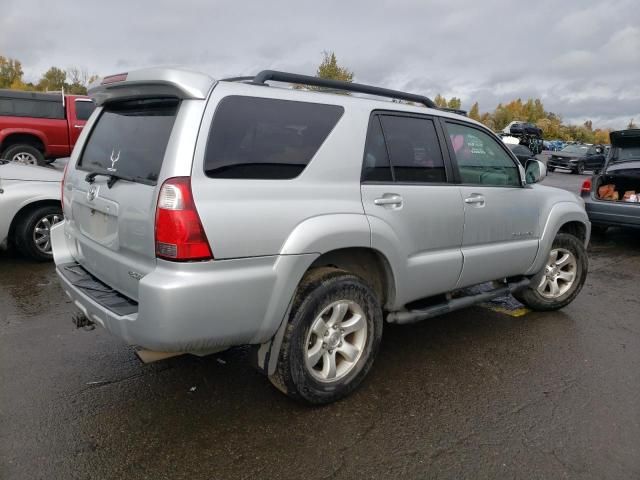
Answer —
(179, 232)
(586, 186)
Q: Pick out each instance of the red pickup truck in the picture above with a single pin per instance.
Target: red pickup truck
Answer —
(37, 128)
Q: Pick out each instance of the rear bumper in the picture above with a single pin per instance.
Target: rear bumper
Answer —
(613, 213)
(194, 307)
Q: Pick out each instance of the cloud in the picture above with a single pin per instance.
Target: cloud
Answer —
(580, 57)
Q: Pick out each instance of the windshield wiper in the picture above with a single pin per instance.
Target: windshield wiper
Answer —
(113, 178)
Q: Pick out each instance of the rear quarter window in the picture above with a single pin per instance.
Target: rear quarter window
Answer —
(130, 138)
(263, 138)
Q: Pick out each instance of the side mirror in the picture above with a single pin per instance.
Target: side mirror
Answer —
(534, 171)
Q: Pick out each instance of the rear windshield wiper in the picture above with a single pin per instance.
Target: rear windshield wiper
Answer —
(114, 177)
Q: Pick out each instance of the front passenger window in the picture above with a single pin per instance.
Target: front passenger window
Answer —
(481, 159)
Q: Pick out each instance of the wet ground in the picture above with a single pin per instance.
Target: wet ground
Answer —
(473, 394)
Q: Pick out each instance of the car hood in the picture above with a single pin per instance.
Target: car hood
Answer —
(29, 173)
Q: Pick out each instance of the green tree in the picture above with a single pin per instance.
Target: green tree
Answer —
(53, 79)
(10, 73)
(330, 69)
(474, 113)
(454, 103)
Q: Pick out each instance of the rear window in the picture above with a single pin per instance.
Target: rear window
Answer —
(130, 138)
(263, 138)
(84, 109)
(31, 108)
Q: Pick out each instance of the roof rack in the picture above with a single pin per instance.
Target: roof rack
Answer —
(453, 110)
(275, 76)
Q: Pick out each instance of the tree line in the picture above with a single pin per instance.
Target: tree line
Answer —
(73, 80)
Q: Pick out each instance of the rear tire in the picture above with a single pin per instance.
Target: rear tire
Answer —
(32, 234)
(26, 154)
(332, 338)
(567, 260)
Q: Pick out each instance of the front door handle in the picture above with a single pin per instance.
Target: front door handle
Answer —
(78, 126)
(389, 200)
(475, 199)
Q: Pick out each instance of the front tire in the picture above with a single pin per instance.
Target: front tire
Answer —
(551, 169)
(563, 276)
(333, 335)
(33, 232)
(26, 154)
(580, 168)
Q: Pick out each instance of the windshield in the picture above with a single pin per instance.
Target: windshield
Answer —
(581, 149)
(626, 154)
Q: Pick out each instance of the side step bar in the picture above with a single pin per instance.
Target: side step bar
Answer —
(413, 316)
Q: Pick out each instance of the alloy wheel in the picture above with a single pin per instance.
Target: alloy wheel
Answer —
(559, 275)
(42, 232)
(336, 341)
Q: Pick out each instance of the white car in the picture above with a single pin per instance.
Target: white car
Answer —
(29, 206)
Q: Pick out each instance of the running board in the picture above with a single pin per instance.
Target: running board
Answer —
(412, 316)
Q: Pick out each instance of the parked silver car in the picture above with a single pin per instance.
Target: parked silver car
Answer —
(203, 214)
(29, 207)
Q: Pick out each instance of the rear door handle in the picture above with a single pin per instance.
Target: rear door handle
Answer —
(475, 199)
(389, 200)
(79, 126)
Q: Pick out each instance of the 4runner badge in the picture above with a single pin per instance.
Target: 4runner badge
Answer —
(92, 192)
(114, 160)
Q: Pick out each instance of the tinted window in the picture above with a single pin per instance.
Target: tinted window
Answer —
(131, 137)
(266, 138)
(414, 149)
(31, 108)
(481, 159)
(84, 109)
(376, 161)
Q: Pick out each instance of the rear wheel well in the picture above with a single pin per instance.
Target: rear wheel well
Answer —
(366, 263)
(17, 218)
(22, 139)
(577, 229)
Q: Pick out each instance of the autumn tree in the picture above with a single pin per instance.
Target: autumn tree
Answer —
(10, 73)
(474, 113)
(440, 101)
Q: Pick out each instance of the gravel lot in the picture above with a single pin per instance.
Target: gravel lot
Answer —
(473, 394)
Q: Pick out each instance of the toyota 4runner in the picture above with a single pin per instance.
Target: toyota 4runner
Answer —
(204, 214)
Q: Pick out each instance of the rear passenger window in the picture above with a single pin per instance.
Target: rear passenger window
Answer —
(414, 149)
(265, 138)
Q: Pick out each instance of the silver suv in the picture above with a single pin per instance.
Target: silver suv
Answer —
(204, 214)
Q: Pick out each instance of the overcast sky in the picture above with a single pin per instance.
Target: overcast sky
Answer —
(582, 58)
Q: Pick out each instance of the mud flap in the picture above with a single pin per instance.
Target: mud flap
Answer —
(268, 352)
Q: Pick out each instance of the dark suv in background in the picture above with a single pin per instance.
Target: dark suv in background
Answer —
(578, 158)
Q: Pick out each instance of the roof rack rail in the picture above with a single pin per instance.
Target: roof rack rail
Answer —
(272, 75)
(453, 110)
